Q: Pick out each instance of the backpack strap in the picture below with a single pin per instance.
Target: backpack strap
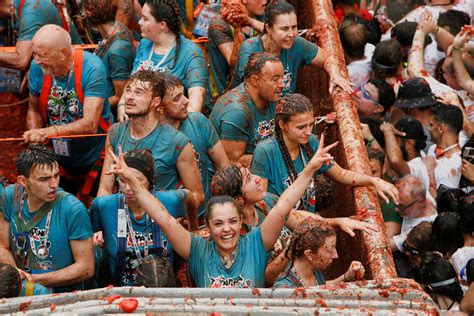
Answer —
(121, 239)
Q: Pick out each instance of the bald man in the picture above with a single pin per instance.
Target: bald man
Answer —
(65, 107)
(30, 17)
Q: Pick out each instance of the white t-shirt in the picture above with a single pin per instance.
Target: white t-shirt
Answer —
(461, 257)
(360, 70)
(418, 169)
(463, 5)
(447, 170)
(407, 225)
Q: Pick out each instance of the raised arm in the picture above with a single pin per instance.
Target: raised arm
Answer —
(107, 180)
(19, 59)
(277, 217)
(393, 151)
(179, 237)
(463, 77)
(189, 173)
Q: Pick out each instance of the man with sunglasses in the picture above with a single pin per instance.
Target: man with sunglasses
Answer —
(374, 98)
(415, 206)
(45, 232)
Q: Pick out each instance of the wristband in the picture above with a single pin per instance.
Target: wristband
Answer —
(121, 104)
(457, 48)
(370, 141)
(436, 30)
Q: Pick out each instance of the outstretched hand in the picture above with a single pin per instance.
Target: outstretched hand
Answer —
(385, 188)
(349, 225)
(322, 155)
(339, 81)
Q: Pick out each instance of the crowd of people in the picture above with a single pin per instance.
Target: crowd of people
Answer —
(210, 174)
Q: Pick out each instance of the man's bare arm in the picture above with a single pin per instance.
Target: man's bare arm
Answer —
(19, 59)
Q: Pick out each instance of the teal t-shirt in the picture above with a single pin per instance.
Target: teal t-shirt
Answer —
(248, 269)
(166, 144)
(203, 137)
(69, 221)
(36, 14)
(103, 212)
(302, 52)
(191, 66)
(64, 106)
(236, 118)
(289, 279)
(118, 61)
(220, 33)
(268, 163)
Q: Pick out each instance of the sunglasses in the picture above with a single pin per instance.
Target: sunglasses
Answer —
(365, 94)
(410, 250)
(401, 207)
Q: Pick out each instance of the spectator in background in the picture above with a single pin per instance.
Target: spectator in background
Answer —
(438, 278)
(467, 303)
(374, 98)
(450, 200)
(403, 146)
(453, 20)
(415, 206)
(357, 52)
(447, 236)
(387, 62)
(466, 251)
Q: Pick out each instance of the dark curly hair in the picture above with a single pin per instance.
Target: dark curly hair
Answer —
(35, 155)
(99, 11)
(151, 77)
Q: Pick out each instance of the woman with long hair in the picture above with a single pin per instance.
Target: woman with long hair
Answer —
(227, 259)
(280, 159)
(163, 48)
(312, 249)
(280, 38)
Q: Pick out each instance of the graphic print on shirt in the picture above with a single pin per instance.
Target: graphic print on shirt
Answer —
(223, 282)
(63, 106)
(33, 243)
(264, 130)
(308, 197)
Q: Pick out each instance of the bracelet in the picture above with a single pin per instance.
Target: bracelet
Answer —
(437, 30)
(457, 48)
(370, 141)
(121, 104)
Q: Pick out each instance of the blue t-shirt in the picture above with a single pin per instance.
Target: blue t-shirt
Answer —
(203, 137)
(69, 221)
(36, 14)
(118, 61)
(248, 269)
(190, 68)
(236, 118)
(290, 279)
(267, 162)
(166, 144)
(64, 106)
(302, 52)
(104, 217)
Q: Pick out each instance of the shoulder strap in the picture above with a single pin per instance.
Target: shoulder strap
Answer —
(44, 96)
(20, 7)
(121, 242)
(78, 60)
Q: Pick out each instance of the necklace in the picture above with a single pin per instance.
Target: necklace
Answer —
(228, 262)
(147, 64)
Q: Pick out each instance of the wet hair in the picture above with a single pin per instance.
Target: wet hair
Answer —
(34, 156)
(308, 235)
(439, 270)
(168, 12)
(438, 72)
(470, 271)
(449, 200)
(446, 234)
(275, 9)
(454, 19)
(404, 33)
(387, 57)
(170, 81)
(373, 27)
(386, 94)
(143, 161)
(396, 11)
(219, 199)
(354, 37)
(10, 281)
(155, 272)
(227, 181)
(413, 185)
(374, 126)
(421, 237)
(151, 77)
(101, 11)
(378, 155)
(256, 63)
(449, 115)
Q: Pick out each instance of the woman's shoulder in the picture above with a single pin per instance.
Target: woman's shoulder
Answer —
(252, 45)
(188, 47)
(269, 144)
